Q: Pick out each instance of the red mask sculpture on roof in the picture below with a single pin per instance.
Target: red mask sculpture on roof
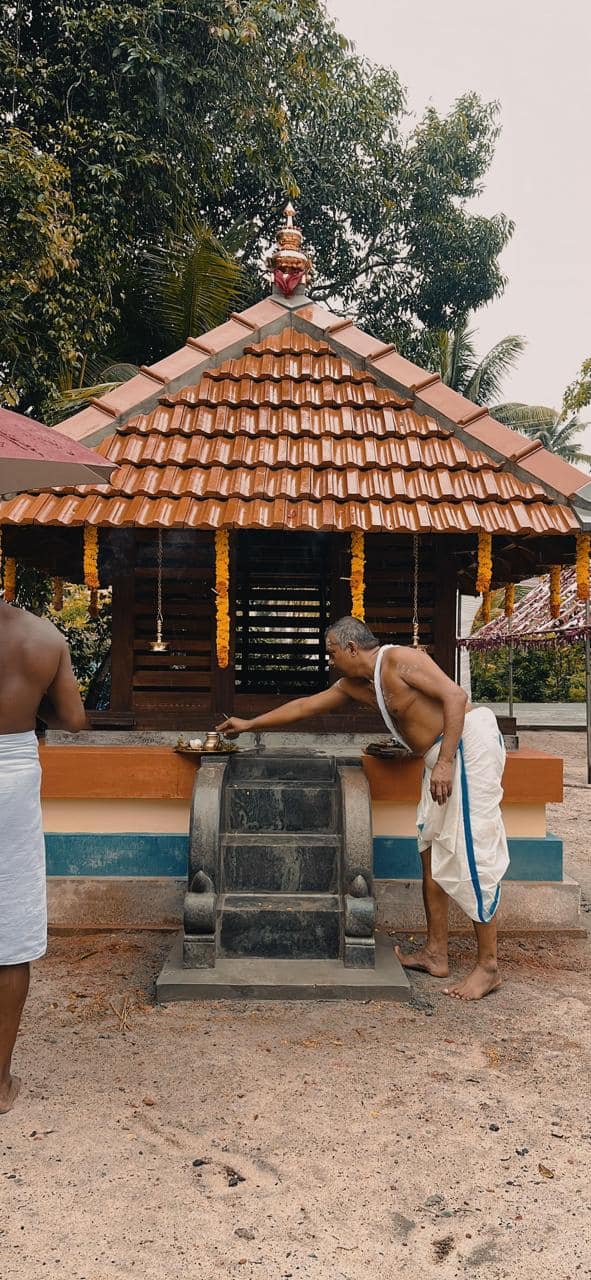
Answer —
(288, 264)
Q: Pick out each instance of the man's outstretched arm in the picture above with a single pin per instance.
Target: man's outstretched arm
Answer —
(333, 699)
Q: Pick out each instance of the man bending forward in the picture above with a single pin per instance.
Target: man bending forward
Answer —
(461, 835)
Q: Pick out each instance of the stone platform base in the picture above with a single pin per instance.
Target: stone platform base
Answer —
(526, 906)
(128, 902)
(283, 979)
(120, 901)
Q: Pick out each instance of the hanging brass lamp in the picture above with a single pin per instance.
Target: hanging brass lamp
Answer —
(159, 645)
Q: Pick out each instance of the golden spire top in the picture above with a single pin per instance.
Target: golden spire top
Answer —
(288, 262)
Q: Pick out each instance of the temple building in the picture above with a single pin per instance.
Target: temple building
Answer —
(273, 474)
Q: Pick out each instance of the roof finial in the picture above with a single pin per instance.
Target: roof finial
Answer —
(290, 266)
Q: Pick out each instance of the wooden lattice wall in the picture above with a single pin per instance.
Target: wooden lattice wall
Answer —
(281, 613)
(168, 685)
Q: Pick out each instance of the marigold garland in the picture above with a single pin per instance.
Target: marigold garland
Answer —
(486, 604)
(222, 582)
(91, 556)
(57, 598)
(583, 543)
(357, 575)
(9, 579)
(509, 599)
(484, 571)
(554, 590)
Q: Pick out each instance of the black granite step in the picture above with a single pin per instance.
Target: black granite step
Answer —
(280, 863)
(283, 767)
(268, 806)
(280, 926)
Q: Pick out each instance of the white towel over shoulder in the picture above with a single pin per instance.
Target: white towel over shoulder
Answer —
(469, 854)
(23, 903)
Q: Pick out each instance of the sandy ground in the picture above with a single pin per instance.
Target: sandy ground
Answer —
(318, 1141)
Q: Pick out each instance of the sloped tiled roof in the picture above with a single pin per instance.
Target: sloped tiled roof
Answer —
(288, 417)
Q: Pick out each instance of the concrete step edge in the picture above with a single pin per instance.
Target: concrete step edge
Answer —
(268, 899)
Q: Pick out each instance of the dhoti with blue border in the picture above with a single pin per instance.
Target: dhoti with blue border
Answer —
(466, 835)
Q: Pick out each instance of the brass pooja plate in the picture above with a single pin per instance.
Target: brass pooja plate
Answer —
(387, 750)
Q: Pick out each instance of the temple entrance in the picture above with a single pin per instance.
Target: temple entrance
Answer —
(282, 611)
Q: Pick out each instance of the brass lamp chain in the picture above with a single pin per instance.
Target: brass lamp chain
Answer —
(415, 598)
(159, 586)
(159, 645)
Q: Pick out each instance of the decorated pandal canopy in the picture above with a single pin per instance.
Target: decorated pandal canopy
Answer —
(551, 613)
(277, 472)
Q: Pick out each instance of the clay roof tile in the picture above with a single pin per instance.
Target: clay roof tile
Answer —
(294, 430)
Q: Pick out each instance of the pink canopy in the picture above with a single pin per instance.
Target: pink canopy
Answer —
(35, 457)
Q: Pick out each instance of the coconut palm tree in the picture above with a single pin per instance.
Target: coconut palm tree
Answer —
(191, 281)
(182, 287)
(556, 432)
(453, 354)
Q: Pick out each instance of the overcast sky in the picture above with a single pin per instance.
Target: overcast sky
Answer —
(534, 56)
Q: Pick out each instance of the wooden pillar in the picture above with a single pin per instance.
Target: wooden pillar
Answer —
(444, 622)
(123, 624)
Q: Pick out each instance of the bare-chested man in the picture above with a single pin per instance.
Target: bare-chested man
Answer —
(36, 677)
(461, 835)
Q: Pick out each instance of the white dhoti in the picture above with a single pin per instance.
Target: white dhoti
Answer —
(23, 901)
(466, 835)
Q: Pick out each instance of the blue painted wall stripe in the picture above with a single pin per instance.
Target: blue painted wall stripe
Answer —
(532, 858)
(127, 853)
(144, 854)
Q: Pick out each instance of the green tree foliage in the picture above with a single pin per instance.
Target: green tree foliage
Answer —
(557, 433)
(185, 285)
(33, 590)
(222, 107)
(578, 395)
(190, 282)
(453, 354)
(89, 639)
(539, 675)
(38, 239)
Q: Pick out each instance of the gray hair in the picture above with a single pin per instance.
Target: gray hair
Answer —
(352, 631)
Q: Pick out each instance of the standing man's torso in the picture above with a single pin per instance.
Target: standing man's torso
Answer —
(29, 660)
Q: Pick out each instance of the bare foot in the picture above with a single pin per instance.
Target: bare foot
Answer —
(425, 961)
(481, 982)
(9, 1095)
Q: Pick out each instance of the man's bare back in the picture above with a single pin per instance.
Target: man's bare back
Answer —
(416, 711)
(35, 665)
